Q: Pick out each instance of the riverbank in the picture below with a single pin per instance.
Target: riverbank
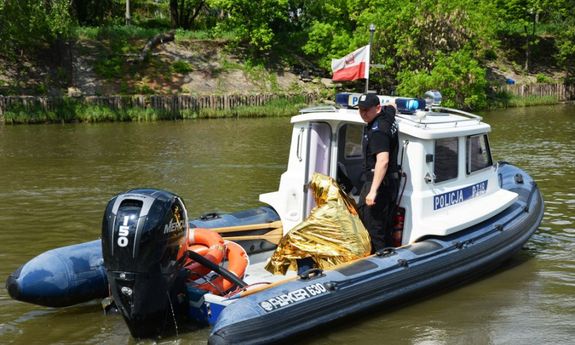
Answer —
(31, 109)
(103, 79)
(41, 109)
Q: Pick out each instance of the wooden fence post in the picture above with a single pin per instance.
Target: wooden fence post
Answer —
(2, 106)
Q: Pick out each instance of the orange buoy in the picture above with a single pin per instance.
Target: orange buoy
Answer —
(237, 263)
(207, 243)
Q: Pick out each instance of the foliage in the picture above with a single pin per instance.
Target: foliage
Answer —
(182, 67)
(119, 41)
(458, 75)
(93, 12)
(72, 110)
(28, 24)
(564, 15)
(435, 43)
(410, 36)
(183, 13)
(255, 23)
(542, 78)
(122, 34)
(283, 106)
(506, 100)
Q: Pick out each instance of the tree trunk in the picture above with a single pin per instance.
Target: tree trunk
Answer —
(184, 12)
(527, 46)
(154, 42)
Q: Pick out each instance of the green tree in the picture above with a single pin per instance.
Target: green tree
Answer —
(410, 34)
(458, 76)
(93, 12)
(331, 30)
(255, 23)
(563, 16)
(519, 18)
(184, 12)
(414, 40)
(29, 24)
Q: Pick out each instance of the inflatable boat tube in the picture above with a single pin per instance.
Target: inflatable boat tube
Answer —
(75, 274)
(61, 277)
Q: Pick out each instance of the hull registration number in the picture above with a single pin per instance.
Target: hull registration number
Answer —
(292, 297)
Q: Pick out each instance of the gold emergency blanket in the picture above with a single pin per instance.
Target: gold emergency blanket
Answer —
(331, 235)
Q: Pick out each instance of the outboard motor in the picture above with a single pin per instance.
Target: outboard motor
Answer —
(144, 233)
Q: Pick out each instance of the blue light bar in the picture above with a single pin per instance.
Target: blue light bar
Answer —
(343, 99)
(403, 105)
(409, 105)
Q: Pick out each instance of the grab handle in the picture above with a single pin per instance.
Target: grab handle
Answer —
(299, 144)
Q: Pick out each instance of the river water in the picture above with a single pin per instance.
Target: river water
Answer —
(55, 181)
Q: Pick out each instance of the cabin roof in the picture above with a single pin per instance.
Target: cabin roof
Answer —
(436, 123)
(331, 114)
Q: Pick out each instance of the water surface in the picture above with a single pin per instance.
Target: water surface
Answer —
(55, 181)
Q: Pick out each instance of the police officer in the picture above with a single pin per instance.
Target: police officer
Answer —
(381, 178)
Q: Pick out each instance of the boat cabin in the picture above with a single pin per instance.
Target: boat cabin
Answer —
(449, 180)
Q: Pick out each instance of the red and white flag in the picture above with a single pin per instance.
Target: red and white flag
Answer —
(353, 66)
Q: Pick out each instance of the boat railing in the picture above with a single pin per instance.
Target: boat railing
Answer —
(319, 109)
(458, 112)
(420, 121)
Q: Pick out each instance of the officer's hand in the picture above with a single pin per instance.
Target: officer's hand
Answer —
(370, 198)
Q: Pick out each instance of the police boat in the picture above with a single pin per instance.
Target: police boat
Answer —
(459, 214)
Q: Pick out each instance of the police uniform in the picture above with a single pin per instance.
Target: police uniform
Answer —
(380, 135)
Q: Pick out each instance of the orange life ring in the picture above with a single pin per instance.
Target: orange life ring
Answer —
(198, 248)
(237, 263)
(207, 243)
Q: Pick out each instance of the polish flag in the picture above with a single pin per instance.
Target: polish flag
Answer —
(353, 66)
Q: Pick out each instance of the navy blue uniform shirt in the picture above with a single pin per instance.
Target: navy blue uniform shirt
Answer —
(381, 135)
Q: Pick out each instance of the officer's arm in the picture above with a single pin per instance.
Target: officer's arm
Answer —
(381, 163)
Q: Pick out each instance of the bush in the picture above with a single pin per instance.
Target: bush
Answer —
(110, 67)
(182, 67)
(458, 76)
(543, 79)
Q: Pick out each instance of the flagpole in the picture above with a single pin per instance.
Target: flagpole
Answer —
(371, 31)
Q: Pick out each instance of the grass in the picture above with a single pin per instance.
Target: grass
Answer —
(506, 100)
(181, 66)
(71, 110)
(124, 32)
(114, 32)
(532, 100)
(117, 42)
(281, 107)
(190, 35)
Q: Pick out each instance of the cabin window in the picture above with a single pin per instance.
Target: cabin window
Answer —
(478, 154)
(318, 156)
(446, 158)
(350, 157)
(353, 140)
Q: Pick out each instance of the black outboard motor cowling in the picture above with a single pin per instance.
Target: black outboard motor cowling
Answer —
(144, 233)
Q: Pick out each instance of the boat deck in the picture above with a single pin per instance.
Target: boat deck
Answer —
(256, 273)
